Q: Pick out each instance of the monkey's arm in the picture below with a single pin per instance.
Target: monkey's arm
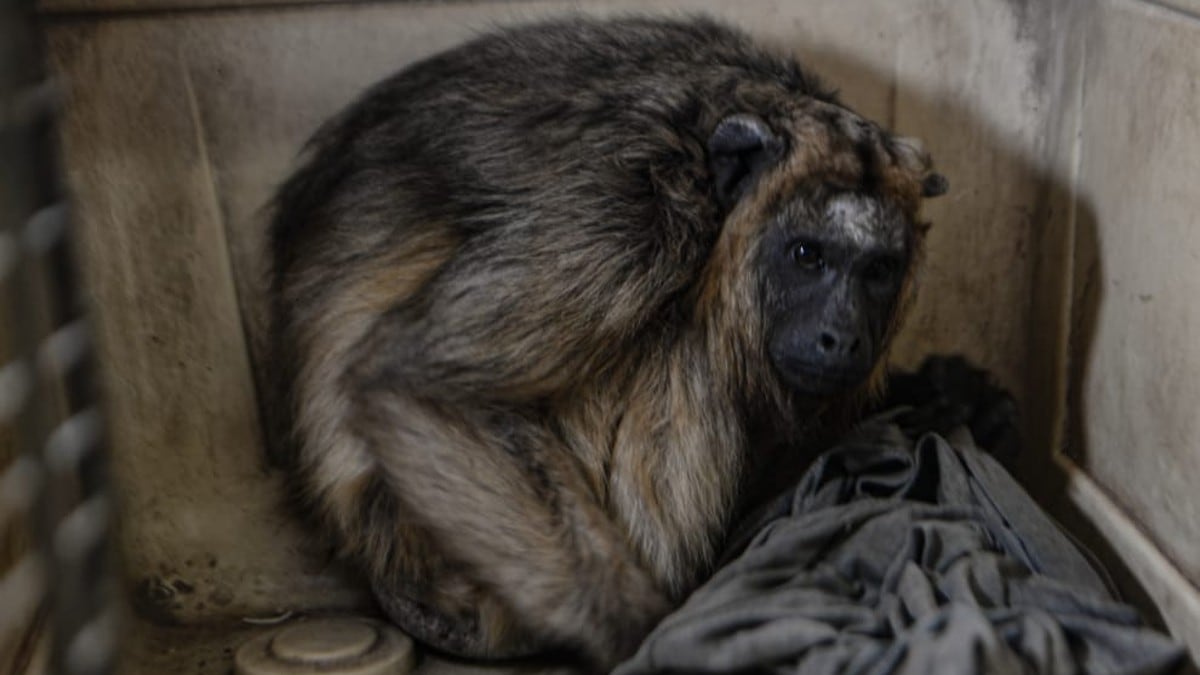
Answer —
(549, 278)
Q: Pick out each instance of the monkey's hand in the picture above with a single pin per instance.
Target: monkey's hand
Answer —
(948, 392)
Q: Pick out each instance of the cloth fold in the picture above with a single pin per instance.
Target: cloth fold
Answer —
(895, 555)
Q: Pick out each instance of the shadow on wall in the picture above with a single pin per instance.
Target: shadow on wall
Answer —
(1047, 480)
(1087, 297)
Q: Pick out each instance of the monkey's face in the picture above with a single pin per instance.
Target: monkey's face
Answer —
(831, 260)
(833, 267)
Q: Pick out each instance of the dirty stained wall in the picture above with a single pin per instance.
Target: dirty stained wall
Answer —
(1062, 259)
(1134, 350)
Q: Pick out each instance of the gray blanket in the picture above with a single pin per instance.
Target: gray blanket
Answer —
(902, 556)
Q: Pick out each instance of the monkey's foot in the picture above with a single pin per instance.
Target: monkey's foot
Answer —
(459, 636)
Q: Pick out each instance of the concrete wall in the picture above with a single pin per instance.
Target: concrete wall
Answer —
(1137, 269)
(1125, 246)
(1063, 259)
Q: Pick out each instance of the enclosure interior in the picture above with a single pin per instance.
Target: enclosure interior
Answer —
(1065, 258)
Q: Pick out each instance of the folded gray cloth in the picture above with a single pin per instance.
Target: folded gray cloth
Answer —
(902, 556)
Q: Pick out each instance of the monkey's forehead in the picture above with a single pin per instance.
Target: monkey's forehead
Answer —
(834, 142)
(863, 220)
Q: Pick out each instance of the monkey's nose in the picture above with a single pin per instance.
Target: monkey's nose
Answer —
(838, 344)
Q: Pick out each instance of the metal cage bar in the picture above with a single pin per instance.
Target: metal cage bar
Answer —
(55, 484)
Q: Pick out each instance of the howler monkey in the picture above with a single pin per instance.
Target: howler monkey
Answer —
(541, 303)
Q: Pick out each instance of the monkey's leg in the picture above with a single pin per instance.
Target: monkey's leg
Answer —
(502, 498)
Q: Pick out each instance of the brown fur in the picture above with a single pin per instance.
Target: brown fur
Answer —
(531, 428)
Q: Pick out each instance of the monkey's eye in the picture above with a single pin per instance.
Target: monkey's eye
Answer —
(881, 271)
(808, 255)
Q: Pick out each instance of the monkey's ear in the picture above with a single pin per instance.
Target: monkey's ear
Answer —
(911, 154)
(739, 150)
(934, 185)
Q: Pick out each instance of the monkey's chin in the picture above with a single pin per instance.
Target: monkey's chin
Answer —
(811, 380)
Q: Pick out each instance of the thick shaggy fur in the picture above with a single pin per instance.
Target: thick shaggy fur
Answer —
(520, 342)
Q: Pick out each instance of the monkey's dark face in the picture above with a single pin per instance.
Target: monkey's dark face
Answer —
(832, 261)
(833, 269)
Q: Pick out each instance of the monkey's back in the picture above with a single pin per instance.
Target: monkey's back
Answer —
(567, 124)
(563, 162)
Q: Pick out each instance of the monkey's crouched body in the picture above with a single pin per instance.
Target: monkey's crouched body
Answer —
(545, 303)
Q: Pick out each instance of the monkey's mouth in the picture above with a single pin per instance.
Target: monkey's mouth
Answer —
(809, 378)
